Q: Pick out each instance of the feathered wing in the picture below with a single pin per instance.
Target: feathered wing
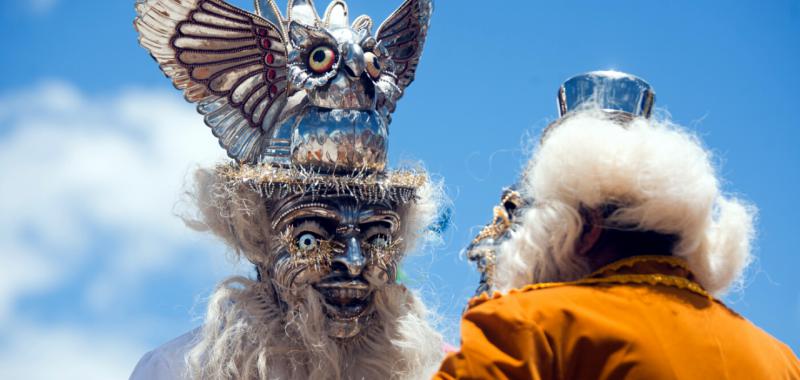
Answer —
(232, 63)
(403, 34)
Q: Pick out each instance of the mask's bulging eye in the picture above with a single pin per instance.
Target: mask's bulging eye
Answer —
(307, 242)
(380, 241)
(374, 67)
(321, 59)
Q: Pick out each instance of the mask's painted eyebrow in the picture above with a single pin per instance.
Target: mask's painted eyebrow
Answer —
(379, 215)
(307, 210)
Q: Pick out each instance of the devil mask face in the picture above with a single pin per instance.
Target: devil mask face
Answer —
(344, 249)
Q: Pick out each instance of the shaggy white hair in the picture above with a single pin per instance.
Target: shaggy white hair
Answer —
(235, 212)
(658, 175)
(246, 335)
(250, 334)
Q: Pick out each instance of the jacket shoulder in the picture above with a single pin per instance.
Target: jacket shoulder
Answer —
(535, 303)
(166, 362)
(541, 294)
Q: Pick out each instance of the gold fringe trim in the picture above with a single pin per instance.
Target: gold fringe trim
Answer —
(646, 279)
(641, 279)
(672, 261)
(269, 181)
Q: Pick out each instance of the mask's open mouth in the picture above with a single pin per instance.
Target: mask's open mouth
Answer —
(345, 299)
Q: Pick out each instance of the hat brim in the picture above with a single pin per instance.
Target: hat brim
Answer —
(271, 181)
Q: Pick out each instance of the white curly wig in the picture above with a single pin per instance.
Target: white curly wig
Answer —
(248, 334)
(659, 177)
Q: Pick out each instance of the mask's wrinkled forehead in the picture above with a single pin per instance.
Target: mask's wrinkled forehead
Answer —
(339, 210)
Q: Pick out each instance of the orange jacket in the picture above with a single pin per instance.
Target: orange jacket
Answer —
(639, 318)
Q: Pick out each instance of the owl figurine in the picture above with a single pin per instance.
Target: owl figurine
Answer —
(298, 90)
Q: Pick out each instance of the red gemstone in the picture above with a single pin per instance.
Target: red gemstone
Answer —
(266, 43)
(261, 32)
(269, 59)
(271, 74)
(273, 90)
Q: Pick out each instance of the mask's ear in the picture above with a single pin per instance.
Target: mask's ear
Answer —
(403, 35)
(592, 229)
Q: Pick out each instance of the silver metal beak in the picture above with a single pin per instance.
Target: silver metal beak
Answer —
(354, 60)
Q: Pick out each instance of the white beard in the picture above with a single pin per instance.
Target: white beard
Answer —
(246, 335)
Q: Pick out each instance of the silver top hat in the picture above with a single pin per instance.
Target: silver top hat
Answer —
(611, 91)
(289, 91)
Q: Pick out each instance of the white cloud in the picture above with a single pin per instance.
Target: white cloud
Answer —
(72, 166)
(87, 190)
(67, 353)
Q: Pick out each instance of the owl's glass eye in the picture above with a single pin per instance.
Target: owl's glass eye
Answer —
(307, 242)
(373, 65)
(321, 59)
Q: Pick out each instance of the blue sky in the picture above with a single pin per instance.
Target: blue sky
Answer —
(95, 145)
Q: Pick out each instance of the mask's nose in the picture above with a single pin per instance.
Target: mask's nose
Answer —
(352, 259)
(354, 60)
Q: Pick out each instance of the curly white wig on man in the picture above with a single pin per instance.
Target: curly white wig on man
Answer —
(658, 177)
(250, 333)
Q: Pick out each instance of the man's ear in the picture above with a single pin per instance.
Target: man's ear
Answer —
(592, 229)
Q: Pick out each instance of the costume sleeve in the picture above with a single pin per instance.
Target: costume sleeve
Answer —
(153, 366)
(166, 362)
(497, 343)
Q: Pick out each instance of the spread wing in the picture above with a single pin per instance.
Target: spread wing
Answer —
(232, 63)
(403, 34)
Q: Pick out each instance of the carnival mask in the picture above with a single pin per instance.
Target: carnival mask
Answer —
(345, 249)
(483, 249)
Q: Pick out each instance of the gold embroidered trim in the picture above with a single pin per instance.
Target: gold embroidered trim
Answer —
(672, 261)
(649, 279)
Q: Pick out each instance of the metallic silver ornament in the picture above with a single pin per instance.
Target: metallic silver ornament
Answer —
(293, 91)
(611, 91)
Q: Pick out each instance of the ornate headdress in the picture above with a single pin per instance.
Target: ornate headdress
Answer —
(618, 95)
(300, 102)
